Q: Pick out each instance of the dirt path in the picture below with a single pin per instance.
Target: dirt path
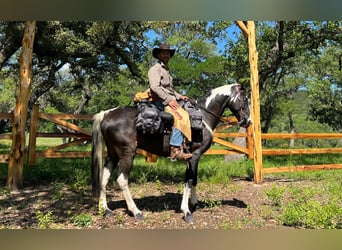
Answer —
(239, 204)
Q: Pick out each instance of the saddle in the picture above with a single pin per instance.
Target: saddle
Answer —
(154, 126)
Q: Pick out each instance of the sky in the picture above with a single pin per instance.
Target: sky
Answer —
(232, 33)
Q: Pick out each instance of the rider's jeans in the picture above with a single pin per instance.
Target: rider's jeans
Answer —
(176, 138)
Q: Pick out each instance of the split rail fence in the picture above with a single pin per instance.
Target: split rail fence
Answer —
(82, 135)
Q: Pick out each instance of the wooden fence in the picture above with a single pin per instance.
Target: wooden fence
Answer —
(5, 116)
(81, 135)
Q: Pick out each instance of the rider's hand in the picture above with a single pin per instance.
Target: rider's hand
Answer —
(173, 104)
(185, 98)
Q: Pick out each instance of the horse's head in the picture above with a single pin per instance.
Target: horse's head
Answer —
(239, 105)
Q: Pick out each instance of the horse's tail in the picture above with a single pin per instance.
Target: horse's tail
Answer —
(97, 151)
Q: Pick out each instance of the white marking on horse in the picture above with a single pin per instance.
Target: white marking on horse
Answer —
(108, 110)
(122, 180)
(105, 174)
(223, 90)
(186, 197)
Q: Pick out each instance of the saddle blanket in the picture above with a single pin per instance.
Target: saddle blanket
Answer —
(181, 121)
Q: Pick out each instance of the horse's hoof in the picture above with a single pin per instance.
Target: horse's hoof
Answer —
(108, 213)
(188, 218)
(139, 217)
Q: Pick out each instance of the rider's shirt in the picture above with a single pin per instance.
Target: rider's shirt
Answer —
(160, 81)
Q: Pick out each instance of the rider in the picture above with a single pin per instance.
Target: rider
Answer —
(161, 86)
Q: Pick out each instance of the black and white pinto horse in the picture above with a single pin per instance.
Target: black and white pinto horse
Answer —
(116, 128)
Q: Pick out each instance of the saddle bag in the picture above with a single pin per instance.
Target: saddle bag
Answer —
(148, 119)
(195, 116)
(167, 121)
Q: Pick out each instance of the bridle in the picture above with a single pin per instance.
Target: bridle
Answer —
(221, 119)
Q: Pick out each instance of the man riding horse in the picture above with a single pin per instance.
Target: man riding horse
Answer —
(165, 97)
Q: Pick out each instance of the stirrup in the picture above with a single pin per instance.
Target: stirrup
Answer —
(177, 153)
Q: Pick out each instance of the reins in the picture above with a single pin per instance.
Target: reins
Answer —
(221, 119)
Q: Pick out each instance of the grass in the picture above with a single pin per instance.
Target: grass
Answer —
(49, 170)
(316, 206)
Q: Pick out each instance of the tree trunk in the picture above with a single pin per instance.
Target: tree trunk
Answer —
(17, 154)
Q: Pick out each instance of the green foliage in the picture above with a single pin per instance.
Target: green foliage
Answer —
(114, 94)
(316, 206)
(209, 203)
(275, 194)
(58, 170)
(223, 172)
(82, 220)
(303, 211)
(324, 84)
(89, 66)
(45, 220)
(163, 171)
(298, 106)
(8, 85)
(58, 191)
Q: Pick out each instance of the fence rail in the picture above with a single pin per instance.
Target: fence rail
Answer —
(81, 135)
(8, 136)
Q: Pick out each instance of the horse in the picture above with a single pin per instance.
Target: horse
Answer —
(116, 129)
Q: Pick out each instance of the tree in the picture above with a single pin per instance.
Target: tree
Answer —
(325, 87)
(10, 40)
(85, 59)
(282, 45)
(16, 160)
(90, 53)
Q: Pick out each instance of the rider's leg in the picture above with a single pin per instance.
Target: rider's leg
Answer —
(176, 142)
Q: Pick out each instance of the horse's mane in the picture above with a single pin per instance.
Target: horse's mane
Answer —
(201, 99)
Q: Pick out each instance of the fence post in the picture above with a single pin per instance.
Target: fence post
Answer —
(250, 142)
(151, 158)
(33, 136)
(253, 62)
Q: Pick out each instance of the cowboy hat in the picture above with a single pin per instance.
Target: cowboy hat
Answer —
(156, 51)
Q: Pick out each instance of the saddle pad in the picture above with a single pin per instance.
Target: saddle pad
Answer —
(181, 121)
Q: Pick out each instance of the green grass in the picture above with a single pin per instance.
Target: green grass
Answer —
(317, 206)
(211, 169)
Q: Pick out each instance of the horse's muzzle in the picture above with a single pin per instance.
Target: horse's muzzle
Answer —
(244, 123)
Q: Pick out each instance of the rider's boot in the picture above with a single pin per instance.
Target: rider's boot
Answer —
(177, 153)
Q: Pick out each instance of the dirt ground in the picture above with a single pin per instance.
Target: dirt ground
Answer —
(241, 204)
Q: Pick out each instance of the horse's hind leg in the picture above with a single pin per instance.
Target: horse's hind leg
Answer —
(104, 178)
(124, 169)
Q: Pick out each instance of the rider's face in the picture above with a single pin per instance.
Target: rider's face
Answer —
(164, 56)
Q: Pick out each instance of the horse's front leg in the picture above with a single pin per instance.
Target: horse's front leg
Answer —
(185, 202)
(189, 191)
(193, 198)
